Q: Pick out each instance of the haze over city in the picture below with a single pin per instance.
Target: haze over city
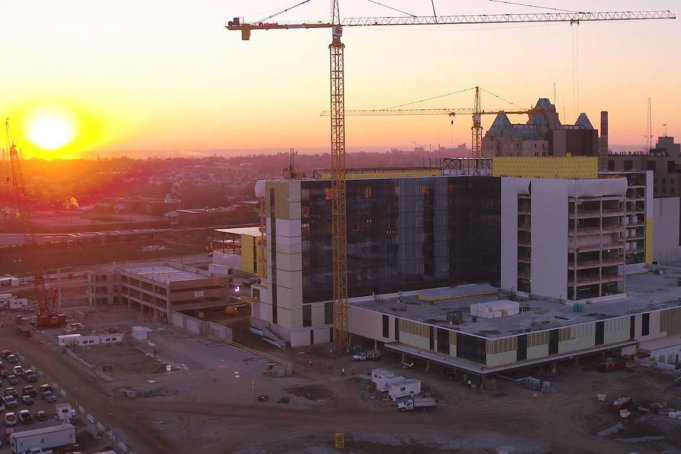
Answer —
(82, 79)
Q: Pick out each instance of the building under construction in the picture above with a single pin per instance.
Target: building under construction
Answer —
(564, 238)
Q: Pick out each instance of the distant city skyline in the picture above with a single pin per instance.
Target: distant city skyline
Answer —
(82, 78)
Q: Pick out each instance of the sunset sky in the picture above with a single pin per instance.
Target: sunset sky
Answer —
(81, 77)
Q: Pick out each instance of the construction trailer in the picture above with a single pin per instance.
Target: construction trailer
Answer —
(404, 388)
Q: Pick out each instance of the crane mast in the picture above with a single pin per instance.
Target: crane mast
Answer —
(336, 54)
(338, 192)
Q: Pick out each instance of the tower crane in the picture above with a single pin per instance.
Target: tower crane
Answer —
(476, 112)
(46, 297)
(337, 100)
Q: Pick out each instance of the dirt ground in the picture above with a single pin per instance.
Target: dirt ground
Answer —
(210, 399)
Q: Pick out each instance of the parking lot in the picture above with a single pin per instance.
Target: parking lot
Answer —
(28, 398)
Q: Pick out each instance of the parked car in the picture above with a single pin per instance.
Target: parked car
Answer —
(13, 359)
(40, 415)
(10, 392)
(12, 379)
(27, 400)
(25, 417)
(5, 353)
(10, 419)
(18, 371)
(45, 387)
(29, 390)
(48, 396)
(4, 373)
(10, 401)
(30, 375)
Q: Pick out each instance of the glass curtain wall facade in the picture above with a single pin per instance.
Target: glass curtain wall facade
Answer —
(404, 234)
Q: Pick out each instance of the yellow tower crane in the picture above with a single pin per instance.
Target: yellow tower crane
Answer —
(476, 112)
(336, 48)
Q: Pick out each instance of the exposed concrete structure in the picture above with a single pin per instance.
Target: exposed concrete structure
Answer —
(559, 238)
(163, 288)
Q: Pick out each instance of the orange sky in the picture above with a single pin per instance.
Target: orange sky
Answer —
(143, 76)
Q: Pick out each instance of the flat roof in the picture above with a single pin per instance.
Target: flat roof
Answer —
(163, 273)
(535, 315)
(252, 231)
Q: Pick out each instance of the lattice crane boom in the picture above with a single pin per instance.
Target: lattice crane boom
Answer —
(336, 51)
(238, 24)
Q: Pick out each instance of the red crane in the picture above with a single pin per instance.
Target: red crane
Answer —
(46, 297)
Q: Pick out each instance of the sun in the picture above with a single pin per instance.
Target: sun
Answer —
(51, 130)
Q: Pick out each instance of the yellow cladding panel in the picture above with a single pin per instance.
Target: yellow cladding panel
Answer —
(649, 241)
(350, 175)
(247, 256)
(260, 253)
(529, 167)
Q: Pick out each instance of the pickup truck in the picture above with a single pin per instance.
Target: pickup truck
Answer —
(416, 403)
(363, 356)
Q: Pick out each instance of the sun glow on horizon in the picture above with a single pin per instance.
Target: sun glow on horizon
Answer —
(51, 129)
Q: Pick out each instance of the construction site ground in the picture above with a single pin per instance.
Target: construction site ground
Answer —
(209, 400)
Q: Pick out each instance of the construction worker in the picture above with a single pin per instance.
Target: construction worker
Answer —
(309, 363)
(342, 371)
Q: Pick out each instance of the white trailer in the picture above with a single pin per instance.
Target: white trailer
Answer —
(404, 388)
(18, 303)
(380, 378)
(383, 387)
(417, 403)
(68, 340)
(44, 438)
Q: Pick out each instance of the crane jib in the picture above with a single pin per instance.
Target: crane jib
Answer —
(462, 19)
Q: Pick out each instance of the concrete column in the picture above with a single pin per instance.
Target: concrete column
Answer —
(403, 360)
(427, 365)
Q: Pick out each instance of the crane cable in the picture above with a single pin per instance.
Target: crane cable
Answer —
(390, 7)
(283, 11)
(432, 2)
(429, 99)
(499, 97)
(536, 6)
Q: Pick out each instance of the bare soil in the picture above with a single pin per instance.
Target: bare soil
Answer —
(214, 401)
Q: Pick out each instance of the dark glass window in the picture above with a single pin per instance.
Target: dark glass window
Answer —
(600, 333)
(405, 234)
(470, 347)
(328, 314)
(671, 166)
(386, 326)
(307, 315)
(651, 165)
(645, 325)
(628, 164)
(443, 341)
(611, 164)
(553, 342)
